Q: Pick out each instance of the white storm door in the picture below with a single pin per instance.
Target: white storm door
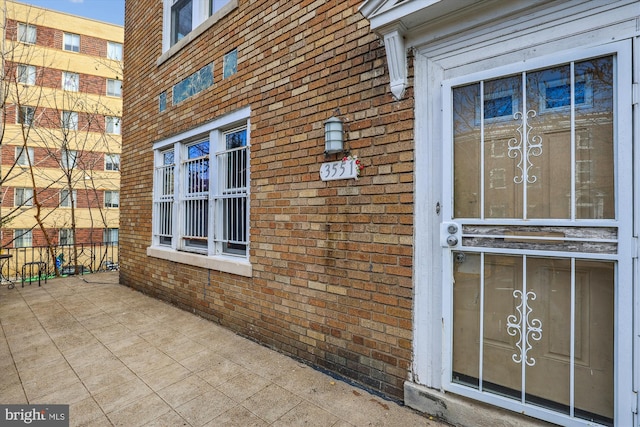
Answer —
(537, 237)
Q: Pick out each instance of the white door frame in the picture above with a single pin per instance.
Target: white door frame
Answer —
(431, 364)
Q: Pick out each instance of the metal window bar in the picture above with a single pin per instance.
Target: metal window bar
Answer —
(231, 201)
(196, 201)
(164, 202)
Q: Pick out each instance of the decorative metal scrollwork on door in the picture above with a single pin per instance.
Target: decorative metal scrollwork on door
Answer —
(525, 147)
(532, 328)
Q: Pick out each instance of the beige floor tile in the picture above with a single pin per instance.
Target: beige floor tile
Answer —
(220, 372)
(13, 394)
(237, 416)
(145, 358)
(82, 412)
(184, 390)
(110, 334)
(102, 379)
(306, 414)
(271, 402)
(243, 386)
(169, 419)
(115, 398)
(182, 348)
(71, 393)
(31, 372)
(139, 412)
(202, 361)
(160, 378)
(49, 384)
(202, 409)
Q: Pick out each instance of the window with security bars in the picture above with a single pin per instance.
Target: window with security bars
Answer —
(201, 192)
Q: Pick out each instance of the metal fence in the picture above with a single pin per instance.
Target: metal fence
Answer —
(38, 262)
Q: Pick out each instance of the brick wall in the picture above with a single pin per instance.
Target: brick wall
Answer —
(53, 38)
(332, 261)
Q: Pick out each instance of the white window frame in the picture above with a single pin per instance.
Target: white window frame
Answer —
(24, 157)
(71, 42)
(204, 14)
(22, 238)
(112, 162)
(114, 51)
(23, 197)
(27, 33)
(215, 255)
(65, 202)
(112, 125)
(111, 199)
(69, 120)
(114, 88)
(70, 81)
(26, 74)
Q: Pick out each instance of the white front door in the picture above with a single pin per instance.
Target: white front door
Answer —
(537, 237)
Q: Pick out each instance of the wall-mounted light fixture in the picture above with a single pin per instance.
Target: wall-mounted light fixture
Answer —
(333, 135)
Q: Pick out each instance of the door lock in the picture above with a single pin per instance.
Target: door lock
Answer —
(449, 235)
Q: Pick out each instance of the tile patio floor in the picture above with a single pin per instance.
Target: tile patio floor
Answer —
(121, 358)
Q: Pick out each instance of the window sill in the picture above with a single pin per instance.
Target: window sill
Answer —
(227, 265)
(209, 22)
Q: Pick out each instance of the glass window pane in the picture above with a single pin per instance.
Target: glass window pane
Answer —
(181, 20)
(466, 147)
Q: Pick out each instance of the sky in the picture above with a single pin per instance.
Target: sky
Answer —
(111, 11)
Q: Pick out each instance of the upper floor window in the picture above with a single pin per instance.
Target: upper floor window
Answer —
(183, 16)
(26, 74)
(114, 51)
(27, 33)
(70, 81)
(24, 156)
(181, 19)
(112, 162)
(26, 115)
(67, 199)
(69, 120)
(112, 125)
(114, 88)
(23, 197)
(71, 42)
(69, 159)
(111, 199)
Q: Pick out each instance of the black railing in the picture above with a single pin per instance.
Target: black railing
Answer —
(30, 263)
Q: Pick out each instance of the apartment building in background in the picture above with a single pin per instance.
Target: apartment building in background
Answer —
(60, 146)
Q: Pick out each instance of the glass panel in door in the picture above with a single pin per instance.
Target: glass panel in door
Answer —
(537, 148)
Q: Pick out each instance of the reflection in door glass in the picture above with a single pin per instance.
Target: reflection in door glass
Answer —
(551, 159)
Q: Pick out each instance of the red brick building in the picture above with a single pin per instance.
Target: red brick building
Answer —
(62, 108)
(445, 271)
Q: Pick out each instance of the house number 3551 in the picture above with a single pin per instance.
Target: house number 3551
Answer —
(343, 169)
